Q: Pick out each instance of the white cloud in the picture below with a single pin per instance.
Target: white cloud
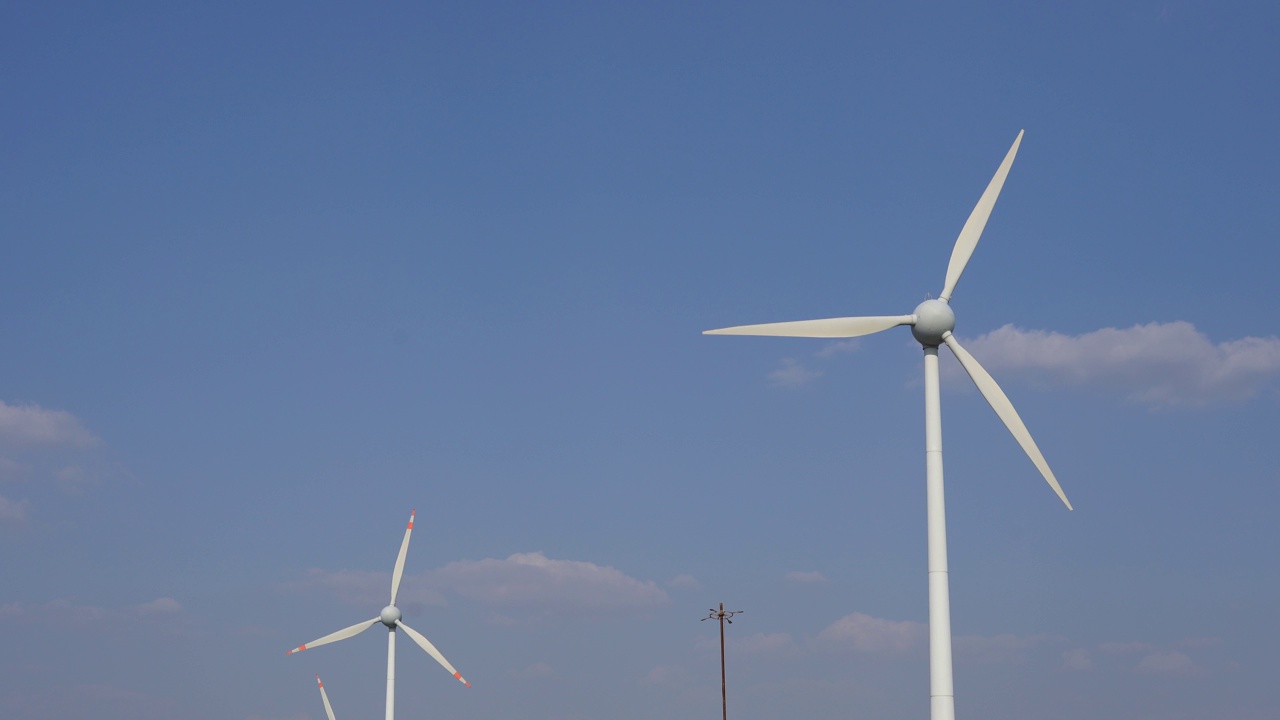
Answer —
(1169, 663)
(663, 675)
(1005, 648)
(1200, 642)
(34, 426)
(684, 581)
(532, 581)
(160, 606)
(64, 610)
(74, 480)
(12, 513)
(1077, 660)
(368, 588)
(11, 471)
(798, 576)
(1125, 648)
(793, 375)
(752, 644)
(838, 348)
(1158, 364)
(864, 633)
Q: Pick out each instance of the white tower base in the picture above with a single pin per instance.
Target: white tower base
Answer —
(942, 704)
(391, 674)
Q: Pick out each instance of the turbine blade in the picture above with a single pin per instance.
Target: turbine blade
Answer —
(972, 230)
(328, 710)
(845, 327)
(342, 634)
(398, 573)
(425, 644)
(1000, 403)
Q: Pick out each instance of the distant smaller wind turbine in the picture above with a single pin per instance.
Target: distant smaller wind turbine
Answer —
(328, 709)
(390, 616)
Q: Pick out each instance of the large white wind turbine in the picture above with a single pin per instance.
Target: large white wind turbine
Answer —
(390, 616)
(931, 324)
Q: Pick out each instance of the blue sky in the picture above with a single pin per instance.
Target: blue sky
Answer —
(275, 275)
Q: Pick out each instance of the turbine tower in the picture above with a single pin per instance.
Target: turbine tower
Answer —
(931, 323)
(390, 616)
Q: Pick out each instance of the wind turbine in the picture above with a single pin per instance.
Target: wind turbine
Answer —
(328, 709)
(931, 323)
(390, 616)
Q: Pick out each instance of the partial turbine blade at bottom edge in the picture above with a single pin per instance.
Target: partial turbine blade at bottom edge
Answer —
(845, 327)
(425, 644)
(328, 709)
(1004, 409)
(342, 634)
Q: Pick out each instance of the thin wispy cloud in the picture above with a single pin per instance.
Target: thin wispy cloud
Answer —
(1173, 663)
(1154, 660)
(74, 612)
(806, 578)
(13, 471)
(683, 582)
(367, 588)
(160, 606)
(863, 633)
(74, 479)
(1200, 642)
(11, 512)
(31, 426)
(664, 675)
(793, 375)
(1157, 364)
(522, 581)
(1003, 648)
(533, 581)
(1125, 648)
(1077, 660)
(840, 347)
(758, 643)
(48, 445)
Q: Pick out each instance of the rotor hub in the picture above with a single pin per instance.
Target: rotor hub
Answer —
(389, 616)
(934, 318)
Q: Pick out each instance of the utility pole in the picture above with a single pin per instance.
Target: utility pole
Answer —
(723, 616)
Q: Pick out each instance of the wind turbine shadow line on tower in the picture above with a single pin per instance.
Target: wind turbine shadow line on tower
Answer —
(932, 323)
(390, 617)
